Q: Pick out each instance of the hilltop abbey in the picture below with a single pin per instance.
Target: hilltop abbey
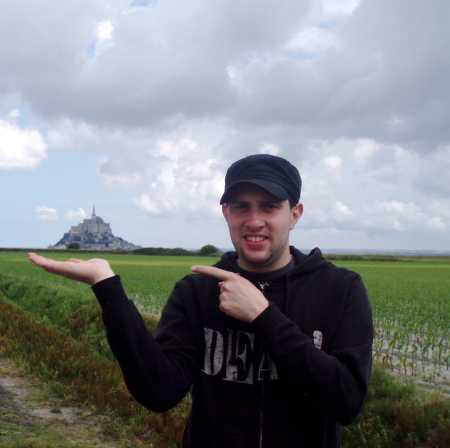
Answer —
(93, 233)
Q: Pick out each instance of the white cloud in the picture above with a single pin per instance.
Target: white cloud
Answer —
(20, 148)
(269, 148)
(105, 29)
(314, 39)
(75, 215)
(45, 213)
(147, 204)
(333, 162)
(342, 212)
(314, 218)
(365, 149)
(436, 223)
(395, 215)
(174, 150)
(184, 181)
(103, 39)
(76, 136)
(399, 207)
(125, 180)
(337, 7)
(13, 115)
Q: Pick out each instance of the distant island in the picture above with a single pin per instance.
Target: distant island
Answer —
(93, 234)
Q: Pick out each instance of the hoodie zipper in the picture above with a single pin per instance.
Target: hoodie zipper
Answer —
(262, 286)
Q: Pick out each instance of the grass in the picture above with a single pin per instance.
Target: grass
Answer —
(411, 305)
(14, 434)
(398, 414)
(76, 370)
(53, 326)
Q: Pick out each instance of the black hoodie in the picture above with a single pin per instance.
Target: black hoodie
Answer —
(288, 379)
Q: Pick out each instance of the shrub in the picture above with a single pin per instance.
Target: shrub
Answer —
(208, 250)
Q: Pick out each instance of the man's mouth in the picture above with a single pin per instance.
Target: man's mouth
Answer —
(255, 239)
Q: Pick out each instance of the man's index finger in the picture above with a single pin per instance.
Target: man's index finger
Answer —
(212, 271)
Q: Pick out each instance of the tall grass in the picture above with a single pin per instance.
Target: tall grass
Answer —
(398, 414)
(76, 369)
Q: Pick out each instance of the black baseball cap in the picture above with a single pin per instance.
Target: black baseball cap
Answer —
(272, 173)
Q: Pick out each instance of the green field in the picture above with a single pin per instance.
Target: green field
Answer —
(411, 305)
(410, 301)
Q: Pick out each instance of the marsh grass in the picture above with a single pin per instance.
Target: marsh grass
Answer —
(75, 369)
(398, 414)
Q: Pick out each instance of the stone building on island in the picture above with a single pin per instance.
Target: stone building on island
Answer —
(95, 234)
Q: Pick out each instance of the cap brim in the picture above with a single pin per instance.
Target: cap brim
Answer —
(271, 187)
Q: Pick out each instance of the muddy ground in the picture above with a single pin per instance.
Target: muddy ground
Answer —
(29, 413)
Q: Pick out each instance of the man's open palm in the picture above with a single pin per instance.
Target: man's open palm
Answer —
(90, 272)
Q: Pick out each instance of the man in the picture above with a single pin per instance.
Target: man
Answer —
(277, 344)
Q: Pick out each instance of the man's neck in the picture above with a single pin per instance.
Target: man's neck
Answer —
(254, 274)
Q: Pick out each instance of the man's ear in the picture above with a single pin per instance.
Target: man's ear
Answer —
(225, 211)
(296, 214)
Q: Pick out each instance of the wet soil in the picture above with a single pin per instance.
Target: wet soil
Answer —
(29, 414)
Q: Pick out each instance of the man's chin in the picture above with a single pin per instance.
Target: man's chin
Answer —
(251, 263)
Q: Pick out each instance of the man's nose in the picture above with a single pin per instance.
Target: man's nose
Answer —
(255, 220)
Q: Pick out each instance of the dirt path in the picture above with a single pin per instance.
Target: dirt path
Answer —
(30, 414)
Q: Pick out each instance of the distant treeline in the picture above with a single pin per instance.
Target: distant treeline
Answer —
(163, 251)
(204, 251)
(382, 257)
(210, 250)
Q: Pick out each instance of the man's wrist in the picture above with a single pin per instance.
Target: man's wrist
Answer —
(260, 309)
(102, 276)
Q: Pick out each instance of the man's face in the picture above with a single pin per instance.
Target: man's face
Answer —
(259, 227)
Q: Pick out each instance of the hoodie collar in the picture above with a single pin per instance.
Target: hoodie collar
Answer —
(300, 264)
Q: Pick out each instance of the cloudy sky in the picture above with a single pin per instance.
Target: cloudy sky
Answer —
(140, 106)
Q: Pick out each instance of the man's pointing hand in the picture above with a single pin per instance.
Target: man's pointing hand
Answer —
(238, 297)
